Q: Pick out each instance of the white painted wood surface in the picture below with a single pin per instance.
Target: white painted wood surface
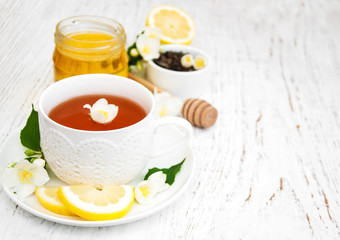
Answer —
(268, 169)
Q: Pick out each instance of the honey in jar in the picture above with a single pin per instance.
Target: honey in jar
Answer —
(89, 44)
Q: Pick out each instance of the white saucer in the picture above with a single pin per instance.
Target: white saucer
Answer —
(12, 151)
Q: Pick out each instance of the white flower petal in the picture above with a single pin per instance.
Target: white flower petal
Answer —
(112, 111)
(24, 189)
(10, 177)
(102, 112)
(187, 60)
(163, 187)
(102, 102)
(145, 192)
(24, 165)
(139, 197)
(97, 117)
(40, 176)
(148, 47)
(153, 32)
(167, 105)
(40, 162)
(87, 106)
(199, 62)
(158, 179)
(24, 176)
(112, 108)
(158, 175)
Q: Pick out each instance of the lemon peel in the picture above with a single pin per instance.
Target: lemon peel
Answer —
(48, 198)
(109, 202)
(176, 25)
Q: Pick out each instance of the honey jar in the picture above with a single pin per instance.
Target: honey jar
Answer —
(89, 44)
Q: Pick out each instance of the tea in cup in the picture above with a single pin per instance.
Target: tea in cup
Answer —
(95, 153)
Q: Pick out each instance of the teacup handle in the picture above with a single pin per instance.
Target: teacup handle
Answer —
(183, 125)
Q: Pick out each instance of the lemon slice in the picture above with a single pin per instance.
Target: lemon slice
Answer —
(89, 202)
(176, 25)
(49, 199)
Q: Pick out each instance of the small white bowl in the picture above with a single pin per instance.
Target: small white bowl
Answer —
(181, 84)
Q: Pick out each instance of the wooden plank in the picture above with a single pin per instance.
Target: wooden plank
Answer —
(269, 167)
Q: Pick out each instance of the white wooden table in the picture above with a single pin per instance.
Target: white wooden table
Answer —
(270, 166)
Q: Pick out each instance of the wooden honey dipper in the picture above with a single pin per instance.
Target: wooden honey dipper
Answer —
(197, 111)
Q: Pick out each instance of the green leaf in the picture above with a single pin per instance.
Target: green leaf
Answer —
(30, 135)
(169, 172)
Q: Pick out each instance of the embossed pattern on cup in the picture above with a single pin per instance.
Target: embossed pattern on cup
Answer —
(97, 160)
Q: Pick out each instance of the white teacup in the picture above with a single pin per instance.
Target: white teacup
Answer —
(100, 157)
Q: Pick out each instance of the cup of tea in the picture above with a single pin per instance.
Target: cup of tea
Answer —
(81, 151)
